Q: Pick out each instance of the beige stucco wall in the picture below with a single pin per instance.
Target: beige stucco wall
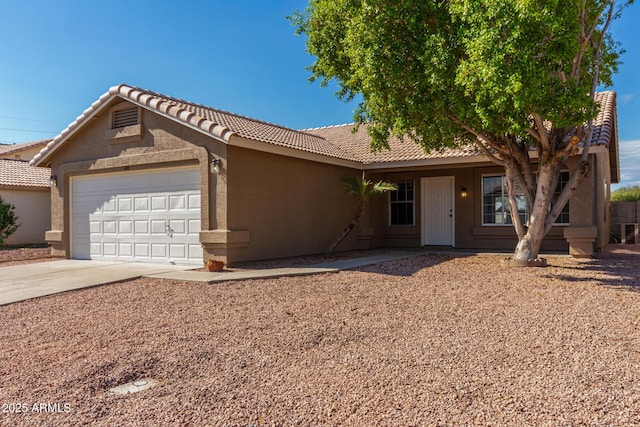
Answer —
(265, 205)
(259, 206)
(24, 154)
(159, 143)
(289, 206)
(32, 207)
(469, 231)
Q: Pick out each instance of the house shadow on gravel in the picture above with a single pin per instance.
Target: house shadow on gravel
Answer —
(617, 266)
(407, 267)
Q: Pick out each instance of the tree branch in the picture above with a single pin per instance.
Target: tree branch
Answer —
(513, 203)
(574, 181)
(544, 136)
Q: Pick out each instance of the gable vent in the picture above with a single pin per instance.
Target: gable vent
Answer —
(127, 117)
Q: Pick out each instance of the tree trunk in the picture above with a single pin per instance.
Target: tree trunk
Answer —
(528, 246)
(348, 229)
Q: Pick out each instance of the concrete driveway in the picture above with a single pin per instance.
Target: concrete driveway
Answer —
(21, 282)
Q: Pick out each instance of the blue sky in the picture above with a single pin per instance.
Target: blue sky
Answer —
(57, 58)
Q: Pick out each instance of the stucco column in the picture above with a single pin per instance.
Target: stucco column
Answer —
(581, 233)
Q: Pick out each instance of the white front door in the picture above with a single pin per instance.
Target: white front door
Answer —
(149, 216)
(438, 211)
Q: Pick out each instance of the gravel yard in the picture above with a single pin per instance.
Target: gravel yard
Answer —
(432, 340)
(27, 255)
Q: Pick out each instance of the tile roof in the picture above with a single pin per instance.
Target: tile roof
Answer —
(19, 173)
(357, 143)
(217, 123)
(8, 149)
(249, 128)
(337, 142)
(604, 125)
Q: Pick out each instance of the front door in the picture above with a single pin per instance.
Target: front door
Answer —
(437, 211)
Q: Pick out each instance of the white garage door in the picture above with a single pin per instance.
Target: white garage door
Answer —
(137, 216)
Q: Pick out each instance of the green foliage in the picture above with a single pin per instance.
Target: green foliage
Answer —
(426, 68)
(363, 188)
(626, 194)
(8, 220)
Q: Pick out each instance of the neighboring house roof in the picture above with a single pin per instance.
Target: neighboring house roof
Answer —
(18, 173)
(9, 150)
(333, 142)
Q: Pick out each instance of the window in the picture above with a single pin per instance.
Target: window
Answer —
(495, 201)
(125, 117)
(563, 218)
(401, 202)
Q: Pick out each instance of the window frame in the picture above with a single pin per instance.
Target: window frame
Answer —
(505, 195)
(390, 203)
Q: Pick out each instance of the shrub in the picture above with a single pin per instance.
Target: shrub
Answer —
(626, 194)
(8, 220)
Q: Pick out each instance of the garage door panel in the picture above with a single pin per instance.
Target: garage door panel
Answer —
(125, 249)
(158, 250)
(125, 204)
(141, 227)
(107, 206)
(141, 250)
(193, 226)
(193, 202)
(109, 248)
(178, 226)
(109, 227)
(125, 227)
(147, 216)
(141, 204)
(95, 248)
(95, 227)
(177, 251)
(177, 202)
(159, 203)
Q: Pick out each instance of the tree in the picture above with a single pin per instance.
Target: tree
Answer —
(626, 194)
(362, 189)
(517, 78)
(8, 220)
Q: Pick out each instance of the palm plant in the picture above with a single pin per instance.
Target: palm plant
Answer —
(362, 189)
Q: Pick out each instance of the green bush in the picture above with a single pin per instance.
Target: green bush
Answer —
(626, 194)
(8, 220)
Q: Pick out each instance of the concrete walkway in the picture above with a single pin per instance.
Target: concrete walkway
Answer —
(22, 282)
(328, 267)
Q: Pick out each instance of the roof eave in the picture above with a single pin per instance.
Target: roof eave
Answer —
(141, 99)
(252, 144)
(45, 154)
(442, 161)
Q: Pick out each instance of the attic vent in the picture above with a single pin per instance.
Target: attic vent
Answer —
(126, 117)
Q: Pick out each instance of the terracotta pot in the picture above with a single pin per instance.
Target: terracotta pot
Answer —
(213, 265)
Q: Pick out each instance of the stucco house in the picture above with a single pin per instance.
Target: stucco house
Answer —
(27, 188)
(141, 176)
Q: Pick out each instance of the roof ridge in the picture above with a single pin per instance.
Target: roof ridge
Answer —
(14, 160)
(218, 110)
(328, 126)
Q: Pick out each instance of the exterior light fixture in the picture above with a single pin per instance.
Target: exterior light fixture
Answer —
(214, 166)
(463, 192)
(53, 181)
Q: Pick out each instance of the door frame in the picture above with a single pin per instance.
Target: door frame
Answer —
(424, 210)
